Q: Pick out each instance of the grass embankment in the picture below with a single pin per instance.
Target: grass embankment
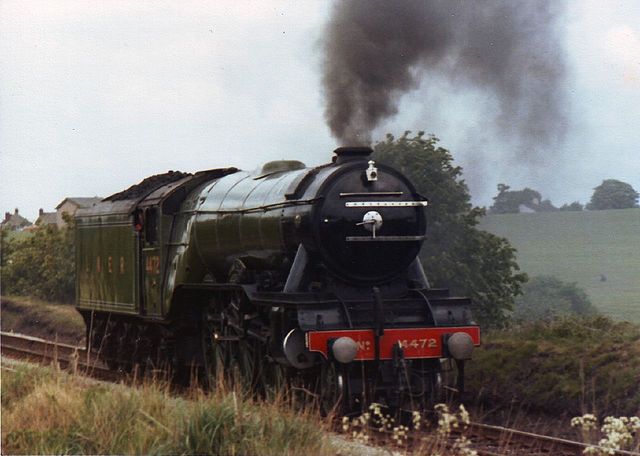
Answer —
(570, 366)
(599, 250)
(49, 412)
(42, 319)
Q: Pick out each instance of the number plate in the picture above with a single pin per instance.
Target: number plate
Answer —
(416, 342)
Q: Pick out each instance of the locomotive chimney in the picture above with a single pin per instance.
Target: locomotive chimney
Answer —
(344, 154)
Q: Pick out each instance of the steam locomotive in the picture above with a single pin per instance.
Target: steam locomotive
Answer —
(304, 274)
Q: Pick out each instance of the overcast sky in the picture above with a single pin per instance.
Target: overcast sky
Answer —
(95, 96)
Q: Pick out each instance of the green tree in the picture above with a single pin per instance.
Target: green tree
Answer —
(508, 201)
(42, 265)
(613, 194)
(6, 247)
(546, 297)
(575, 206)
(456, 254)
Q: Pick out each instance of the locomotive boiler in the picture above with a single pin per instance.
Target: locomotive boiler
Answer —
(304, 274)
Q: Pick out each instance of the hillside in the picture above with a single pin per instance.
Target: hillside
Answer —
(599, 250)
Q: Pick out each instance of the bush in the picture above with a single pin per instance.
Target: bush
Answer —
(546, 297)
(6, 247)
(42, 265)
(572, 365)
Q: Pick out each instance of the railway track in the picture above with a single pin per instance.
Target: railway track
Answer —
(486, 440)
(65, 356)
(491, 440)
(498, 440)
(483, 439)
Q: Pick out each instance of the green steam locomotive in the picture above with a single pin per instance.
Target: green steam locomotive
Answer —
(304, 274)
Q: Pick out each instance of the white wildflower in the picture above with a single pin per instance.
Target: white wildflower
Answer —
(464, 415)
(345, 423)
(416, 418)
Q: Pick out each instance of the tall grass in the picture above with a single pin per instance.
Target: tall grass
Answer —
(48, 412)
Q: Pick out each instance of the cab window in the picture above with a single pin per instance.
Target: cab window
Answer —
(151, 225)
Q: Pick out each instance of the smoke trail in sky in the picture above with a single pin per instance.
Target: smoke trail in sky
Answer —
(377, 50)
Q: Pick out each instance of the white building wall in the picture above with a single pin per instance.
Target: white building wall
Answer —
(68, 207)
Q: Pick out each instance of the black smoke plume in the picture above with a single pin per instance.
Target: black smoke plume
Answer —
(377, 50)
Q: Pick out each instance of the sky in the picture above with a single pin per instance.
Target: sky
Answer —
(95, 96)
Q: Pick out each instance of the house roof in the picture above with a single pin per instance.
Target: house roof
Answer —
(47, 218)
(15, 220)
(81, 201)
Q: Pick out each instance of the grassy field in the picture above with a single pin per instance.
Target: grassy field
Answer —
(582, 247)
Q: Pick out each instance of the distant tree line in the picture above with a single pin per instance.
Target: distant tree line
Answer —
(510, 201)
(611, 194)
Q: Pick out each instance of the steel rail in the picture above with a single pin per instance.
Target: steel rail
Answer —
(509, 440)
(491, 440)
(71, 357)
